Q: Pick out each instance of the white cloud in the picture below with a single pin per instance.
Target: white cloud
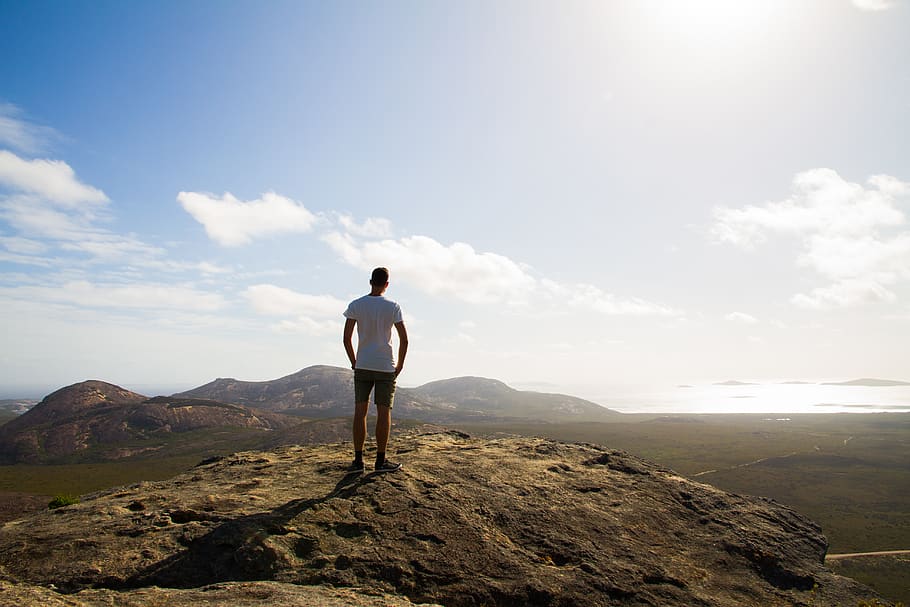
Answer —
(103, 246)
(741, 317)
(278, 301)
(29, 260)
(456, 270)
(316, 315)
(231, 222)
(372, 227)
(134, 296)
(844, 293)
(54, 209)
(460, 272)
(874, 5)
(34, 217)
(597, 300)
(847, 233)
(203, 267)
(19, 134)
(52, 180)
(308, 326)
(25, 246)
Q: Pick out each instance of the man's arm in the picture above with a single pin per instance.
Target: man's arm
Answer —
(402, 345)
(348, 344)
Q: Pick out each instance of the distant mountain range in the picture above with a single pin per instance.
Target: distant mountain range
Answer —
(95, 420)
(323, 391)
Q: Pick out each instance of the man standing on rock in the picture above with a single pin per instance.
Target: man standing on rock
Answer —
(374, 365)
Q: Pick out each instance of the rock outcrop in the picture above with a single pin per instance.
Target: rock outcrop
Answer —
(466, 522)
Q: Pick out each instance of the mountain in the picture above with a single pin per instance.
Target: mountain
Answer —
(479, 395)
(875, 383)
(324, 391)
(319, 391)
(505, 522)
(733, 382)
(104, 421)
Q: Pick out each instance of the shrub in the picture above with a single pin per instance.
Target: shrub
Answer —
(63, 500)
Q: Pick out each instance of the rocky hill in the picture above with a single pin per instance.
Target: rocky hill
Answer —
(111, 422)
(318, 391)
(492, 397)
(466, 522)
(323, 391)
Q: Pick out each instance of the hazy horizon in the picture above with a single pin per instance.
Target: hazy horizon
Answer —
(773, 396)
(625, 193)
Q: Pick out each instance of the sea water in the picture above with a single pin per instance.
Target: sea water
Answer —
(777, 398)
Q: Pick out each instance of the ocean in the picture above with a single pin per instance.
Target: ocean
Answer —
(771, 398)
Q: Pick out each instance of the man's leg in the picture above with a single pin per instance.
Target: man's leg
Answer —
(362, 387)
(360, 435)
(385, 394)
(383, 427)
(360, 426)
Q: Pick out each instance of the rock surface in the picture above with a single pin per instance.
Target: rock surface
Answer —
(466, 522)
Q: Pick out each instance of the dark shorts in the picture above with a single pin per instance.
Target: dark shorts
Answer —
(365, 381)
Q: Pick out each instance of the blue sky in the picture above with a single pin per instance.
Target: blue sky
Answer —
(570, 195)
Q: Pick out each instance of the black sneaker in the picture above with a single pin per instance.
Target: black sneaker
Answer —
(355, 467)
(387, 466)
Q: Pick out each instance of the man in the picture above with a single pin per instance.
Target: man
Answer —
(374, 366)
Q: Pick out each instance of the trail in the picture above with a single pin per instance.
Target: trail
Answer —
(835, 557)
(747, 464)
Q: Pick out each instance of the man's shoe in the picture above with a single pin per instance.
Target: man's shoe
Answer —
(355, 467)
(387, 466)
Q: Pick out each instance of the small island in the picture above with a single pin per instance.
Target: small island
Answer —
(869, 382)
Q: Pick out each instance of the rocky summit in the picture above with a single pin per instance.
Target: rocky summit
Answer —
(466, 522)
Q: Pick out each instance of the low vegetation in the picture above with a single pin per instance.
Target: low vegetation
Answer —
(60, 501)
(889, 575)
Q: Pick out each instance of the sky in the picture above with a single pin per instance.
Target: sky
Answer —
(570, 195)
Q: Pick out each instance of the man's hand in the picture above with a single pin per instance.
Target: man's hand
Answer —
(347, 337)
(402, 346)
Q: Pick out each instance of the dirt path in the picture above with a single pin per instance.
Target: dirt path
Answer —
(747, 464)
(834, 557)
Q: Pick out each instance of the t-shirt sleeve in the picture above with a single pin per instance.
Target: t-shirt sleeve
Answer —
(397, 315)
(350, 313)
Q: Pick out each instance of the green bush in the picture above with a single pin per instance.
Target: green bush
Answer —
(63, 500)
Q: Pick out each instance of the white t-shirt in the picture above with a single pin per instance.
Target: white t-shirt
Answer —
(375, 316)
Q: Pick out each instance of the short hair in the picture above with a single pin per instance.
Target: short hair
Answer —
(380, 276)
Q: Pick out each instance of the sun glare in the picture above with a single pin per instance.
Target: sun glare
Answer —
(714, 24)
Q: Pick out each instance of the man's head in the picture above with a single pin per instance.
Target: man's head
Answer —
(380, 277)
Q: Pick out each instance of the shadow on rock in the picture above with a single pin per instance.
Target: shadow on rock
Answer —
(249, 548)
